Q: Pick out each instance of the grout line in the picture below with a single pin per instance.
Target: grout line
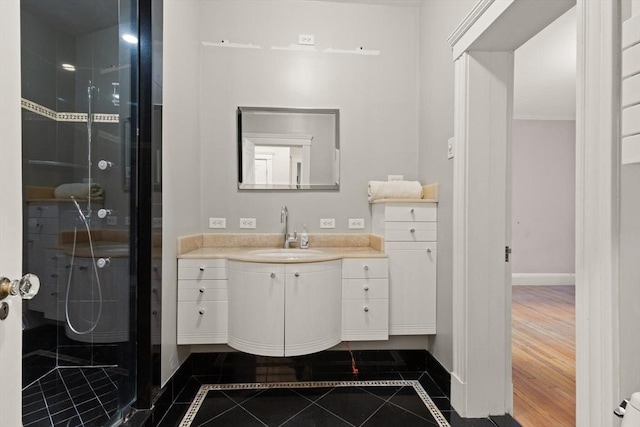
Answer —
(69, 395)
(94, 393)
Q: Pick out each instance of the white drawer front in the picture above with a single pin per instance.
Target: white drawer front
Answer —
(365, 289)
(42, 211)
(203, 323)
(204, 290)
(408, 212)
(201, 273)
(202, 262)
(398, 231)
(365, 268)
(42, 225)
(365, 320)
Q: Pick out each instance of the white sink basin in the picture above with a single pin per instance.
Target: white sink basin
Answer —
(287, 254)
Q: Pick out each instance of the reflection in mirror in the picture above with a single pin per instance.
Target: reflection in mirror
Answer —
(288, 149)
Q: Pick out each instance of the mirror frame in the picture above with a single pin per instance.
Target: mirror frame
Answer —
(251, 187)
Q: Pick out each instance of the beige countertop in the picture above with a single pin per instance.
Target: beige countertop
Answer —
(262, 254)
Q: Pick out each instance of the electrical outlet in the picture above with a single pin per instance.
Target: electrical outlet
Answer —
(328, 223)
(395, 177)
(157, 222)
(247, 223)
(217, 222)
(306, 39)
(112, 220)
(450, 150)
(356, 223)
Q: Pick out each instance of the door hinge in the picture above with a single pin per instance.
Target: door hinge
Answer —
(507, 253)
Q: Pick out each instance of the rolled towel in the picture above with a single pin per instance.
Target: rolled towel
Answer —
(394, 190)
(79, 190)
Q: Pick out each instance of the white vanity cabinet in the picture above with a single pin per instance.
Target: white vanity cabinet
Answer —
(365, 299)
(202, 301)
(284, 309)
(410, 233)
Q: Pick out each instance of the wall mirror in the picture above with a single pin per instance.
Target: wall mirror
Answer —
(288, 149)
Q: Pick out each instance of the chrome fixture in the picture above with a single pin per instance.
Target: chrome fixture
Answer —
(115, 96)
(104, 165)
(103, 213)
(288, 237)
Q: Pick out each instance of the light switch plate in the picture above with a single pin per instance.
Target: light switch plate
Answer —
(356, 223)
(247, 223)
(395, 177)
(328, 223)
(450, 151)
(217, 222)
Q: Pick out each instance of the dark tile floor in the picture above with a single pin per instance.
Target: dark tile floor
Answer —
(71, 397)
(315, 406)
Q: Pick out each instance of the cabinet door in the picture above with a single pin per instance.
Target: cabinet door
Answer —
(313, 309)
(412, 288)
(256, 308)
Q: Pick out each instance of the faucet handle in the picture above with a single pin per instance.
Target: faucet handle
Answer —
(292, 237)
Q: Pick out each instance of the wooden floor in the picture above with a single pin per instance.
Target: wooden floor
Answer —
(544, 379)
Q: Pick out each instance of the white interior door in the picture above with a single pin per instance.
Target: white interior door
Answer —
(11, 212)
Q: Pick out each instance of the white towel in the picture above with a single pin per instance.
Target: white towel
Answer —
(79, 190)
(394, 190)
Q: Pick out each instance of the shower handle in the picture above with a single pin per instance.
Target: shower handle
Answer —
(27, 287)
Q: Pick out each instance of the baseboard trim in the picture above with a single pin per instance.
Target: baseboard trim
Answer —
(543, 279)
(439, 374)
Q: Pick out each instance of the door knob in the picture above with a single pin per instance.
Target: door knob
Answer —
(27, 287)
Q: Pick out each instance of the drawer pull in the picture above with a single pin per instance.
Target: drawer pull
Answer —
(297, 274)
(201, 311)
(413, 230)
(366, 267)
(202, 268)
(366, 309)
(412, 210)
(429, 250)
(273, 275)
(201, 290)
(366, 288)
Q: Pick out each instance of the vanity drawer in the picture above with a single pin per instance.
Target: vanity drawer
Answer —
(201, 273)
(365, 268)
(203, 290)
(399, 231)
(365, 320)
(414, 212)
(42, 211)
(202, 323)
(365, 289)
(42, 225)
(202, 262)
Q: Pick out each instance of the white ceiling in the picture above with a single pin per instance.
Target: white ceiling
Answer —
(545, 73)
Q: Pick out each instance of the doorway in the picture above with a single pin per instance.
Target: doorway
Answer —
(543, 226)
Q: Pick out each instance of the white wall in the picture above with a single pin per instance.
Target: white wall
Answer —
(543, 198)
(438, 19)
(545, 72)
(181, 153)
(376, 96)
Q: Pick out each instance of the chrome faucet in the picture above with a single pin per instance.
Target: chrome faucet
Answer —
(288, 237)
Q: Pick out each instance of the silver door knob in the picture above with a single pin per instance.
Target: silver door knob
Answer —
(27, 287)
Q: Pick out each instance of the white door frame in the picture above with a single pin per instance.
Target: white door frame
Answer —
(11, 212)
(502, 26)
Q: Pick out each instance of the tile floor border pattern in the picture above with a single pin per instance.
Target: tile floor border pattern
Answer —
(204, 389)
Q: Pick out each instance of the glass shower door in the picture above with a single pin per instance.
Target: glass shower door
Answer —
(79, 113)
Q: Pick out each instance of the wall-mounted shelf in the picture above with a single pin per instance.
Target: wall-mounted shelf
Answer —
(227, 43)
